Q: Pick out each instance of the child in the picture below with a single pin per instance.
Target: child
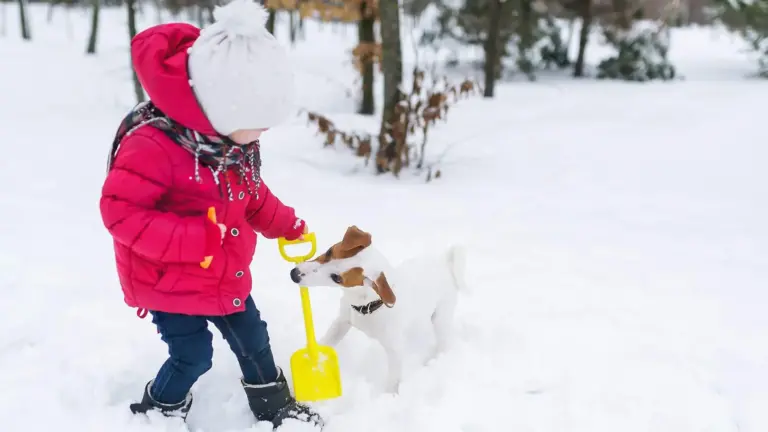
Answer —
(195, 145)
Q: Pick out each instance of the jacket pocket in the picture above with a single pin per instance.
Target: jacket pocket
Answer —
(168, 279)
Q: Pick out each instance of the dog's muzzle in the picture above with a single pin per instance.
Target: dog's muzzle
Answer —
(296, 275)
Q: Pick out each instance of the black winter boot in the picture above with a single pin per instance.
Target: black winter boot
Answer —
(273, 402)
(180, 409)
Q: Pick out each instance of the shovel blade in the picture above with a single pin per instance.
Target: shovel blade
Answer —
(316, 379)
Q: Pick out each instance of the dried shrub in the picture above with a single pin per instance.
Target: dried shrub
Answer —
(358, 142)
(415, 112)
(366, 52)
(403, 139)
(282, 4)
(330, 10)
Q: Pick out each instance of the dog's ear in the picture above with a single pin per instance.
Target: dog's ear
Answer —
(353, 277)
(355, 239)
(382, 288)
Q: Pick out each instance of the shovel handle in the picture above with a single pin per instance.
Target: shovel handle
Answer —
(308, 238)
(212, 216)
(306, 309)
(309, 325)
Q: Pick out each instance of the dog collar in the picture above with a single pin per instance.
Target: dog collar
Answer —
(369, 308)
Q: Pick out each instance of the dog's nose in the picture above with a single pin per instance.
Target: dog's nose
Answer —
(295, 275)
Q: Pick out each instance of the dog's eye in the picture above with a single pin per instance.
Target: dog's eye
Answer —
(336, 278)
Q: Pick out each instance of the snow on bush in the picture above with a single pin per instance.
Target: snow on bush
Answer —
(641, 54)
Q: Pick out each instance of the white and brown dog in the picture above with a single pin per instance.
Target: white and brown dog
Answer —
(424, 289)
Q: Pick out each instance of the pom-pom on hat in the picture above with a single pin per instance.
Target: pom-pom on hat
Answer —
(241, 75)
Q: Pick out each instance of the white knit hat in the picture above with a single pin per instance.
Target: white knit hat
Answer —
(240, 74)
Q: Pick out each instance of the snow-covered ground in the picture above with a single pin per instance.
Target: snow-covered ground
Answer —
(616, 239)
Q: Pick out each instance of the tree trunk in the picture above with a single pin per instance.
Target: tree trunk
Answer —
(4, 29)
(68, 22)
(51, 6)
(391, 53)
(366, 34)
(96, 7)
(525, 32)
(158, 11)
(586, 27)
(292, 26)
(571, 27)
(301, 28)
(271, 21)
(25, 31)
(191, 12)
(200, 17)
(131, 6)
(622, 13)
(527, 23)
(491, 48)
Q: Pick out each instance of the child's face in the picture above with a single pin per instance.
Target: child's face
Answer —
(245, 136)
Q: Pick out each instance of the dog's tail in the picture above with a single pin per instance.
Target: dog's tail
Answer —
(457, 262)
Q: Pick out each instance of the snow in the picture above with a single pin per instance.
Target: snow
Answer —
(615, 236)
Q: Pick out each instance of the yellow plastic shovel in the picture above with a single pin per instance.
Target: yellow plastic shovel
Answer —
(315, 369)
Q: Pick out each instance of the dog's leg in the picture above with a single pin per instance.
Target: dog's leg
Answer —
(442, 323)
(393, 349)
(457, 262)
(337, 330)
(394, 369)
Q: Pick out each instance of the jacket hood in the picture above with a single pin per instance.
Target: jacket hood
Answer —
(159, 57)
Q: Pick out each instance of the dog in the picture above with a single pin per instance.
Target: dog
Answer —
(386, 302)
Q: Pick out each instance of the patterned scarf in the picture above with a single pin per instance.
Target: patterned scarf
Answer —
(217, 153)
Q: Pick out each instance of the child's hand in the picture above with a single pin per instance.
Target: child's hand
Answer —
(297, 231)
(223, 229)
(306, 230)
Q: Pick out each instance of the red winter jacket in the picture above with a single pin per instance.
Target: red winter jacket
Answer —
(156, 211)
